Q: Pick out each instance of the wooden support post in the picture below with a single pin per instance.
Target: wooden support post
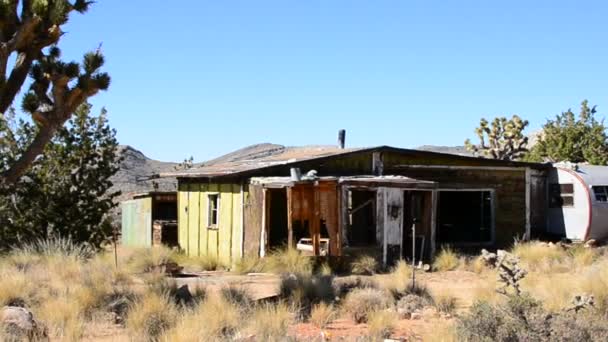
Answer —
(344, 221)
(434, 201)
(316, 221)
(290, 242)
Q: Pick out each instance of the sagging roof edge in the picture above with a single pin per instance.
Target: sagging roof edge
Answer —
(383, 148)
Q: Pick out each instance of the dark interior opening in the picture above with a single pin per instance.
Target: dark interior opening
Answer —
(417, 208)
(169, 235)
(165, 210)
(464, 217)
(278, 233)
(362, 209)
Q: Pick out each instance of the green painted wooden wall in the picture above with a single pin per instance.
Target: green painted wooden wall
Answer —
(137, 222)
(195, 236)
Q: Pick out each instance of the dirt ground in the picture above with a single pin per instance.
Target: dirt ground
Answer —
(460, 284)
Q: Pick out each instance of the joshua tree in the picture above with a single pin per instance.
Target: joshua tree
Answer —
(505, 139)
(29, 33)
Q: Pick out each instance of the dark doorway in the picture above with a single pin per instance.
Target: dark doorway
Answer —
(417, 208)
(277, 219)
(464, 217)
(362, 209)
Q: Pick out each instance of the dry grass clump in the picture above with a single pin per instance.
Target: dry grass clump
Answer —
(322, 315)
(538, 256)
(445, 303)
(151, 316)
(142, 260)
(583, 256)
(398, 279)
(288, 260)
(446, 260)
(237, 296)
(248, 264)
(216, 319)
(359, 303)
(270, 322)
(381, 324)
(364, 265)
(303, 291)
(63, 317)
(199, 263)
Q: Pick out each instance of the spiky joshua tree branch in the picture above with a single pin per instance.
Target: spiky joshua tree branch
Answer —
(503, 139)
(30, 30)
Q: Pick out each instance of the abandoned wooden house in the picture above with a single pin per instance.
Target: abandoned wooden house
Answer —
(342, 201)
(150, 219)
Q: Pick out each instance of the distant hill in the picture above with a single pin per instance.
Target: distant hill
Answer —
(135, 167)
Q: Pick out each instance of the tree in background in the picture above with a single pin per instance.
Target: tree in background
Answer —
(503, 140)
(568, 138)
(65, 192)
(29, 33)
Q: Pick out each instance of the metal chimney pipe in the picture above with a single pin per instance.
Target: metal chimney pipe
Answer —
(341, 138)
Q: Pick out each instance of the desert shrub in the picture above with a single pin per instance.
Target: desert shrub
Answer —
(322, 315)
(445, 303)
(484, 322)
(215, 320)
(381, 324)
(270, 322)
(364, 265)
(417, 289)
(359, 303)
(344, 285)
(237, 296)
(151, 316)
(477, 265)
(142, 260)
(410, 304)
(289, 261)
(62, 316)
(302, 291)
(446, 260)
(56, 247)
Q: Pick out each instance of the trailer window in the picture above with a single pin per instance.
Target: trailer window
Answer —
(601, 193)
(561, 195)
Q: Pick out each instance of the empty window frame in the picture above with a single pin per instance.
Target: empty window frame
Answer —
(213, 210)
(601, 193)
(561, 195)
(465, 217)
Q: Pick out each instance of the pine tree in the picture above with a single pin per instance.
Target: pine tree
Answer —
(29, 33)
(503, 140)
(66, 191)
(568, 138)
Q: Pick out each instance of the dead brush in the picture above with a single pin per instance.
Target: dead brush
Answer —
(364, 265)
(288, 261)
(270, 322)
(359, 303)
(303, 291)
(381, 324)
(445, 303)
(322, 315)
(446, 260)
(237, 296)
(216, 319)
(151, 316)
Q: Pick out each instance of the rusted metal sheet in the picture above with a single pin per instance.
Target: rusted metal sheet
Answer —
(254, 200)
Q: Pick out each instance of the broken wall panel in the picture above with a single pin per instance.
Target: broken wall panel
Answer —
(252, 224)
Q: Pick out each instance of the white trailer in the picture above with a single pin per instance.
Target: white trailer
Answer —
(578, 202)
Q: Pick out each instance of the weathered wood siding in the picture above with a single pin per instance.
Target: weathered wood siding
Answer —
(510, 194)
(195, 235)
(137, 222)
(254, 201)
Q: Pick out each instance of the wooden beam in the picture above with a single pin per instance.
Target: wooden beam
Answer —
(290, 242)
(434, 201)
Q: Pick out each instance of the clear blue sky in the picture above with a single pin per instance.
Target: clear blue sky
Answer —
(203, 78)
